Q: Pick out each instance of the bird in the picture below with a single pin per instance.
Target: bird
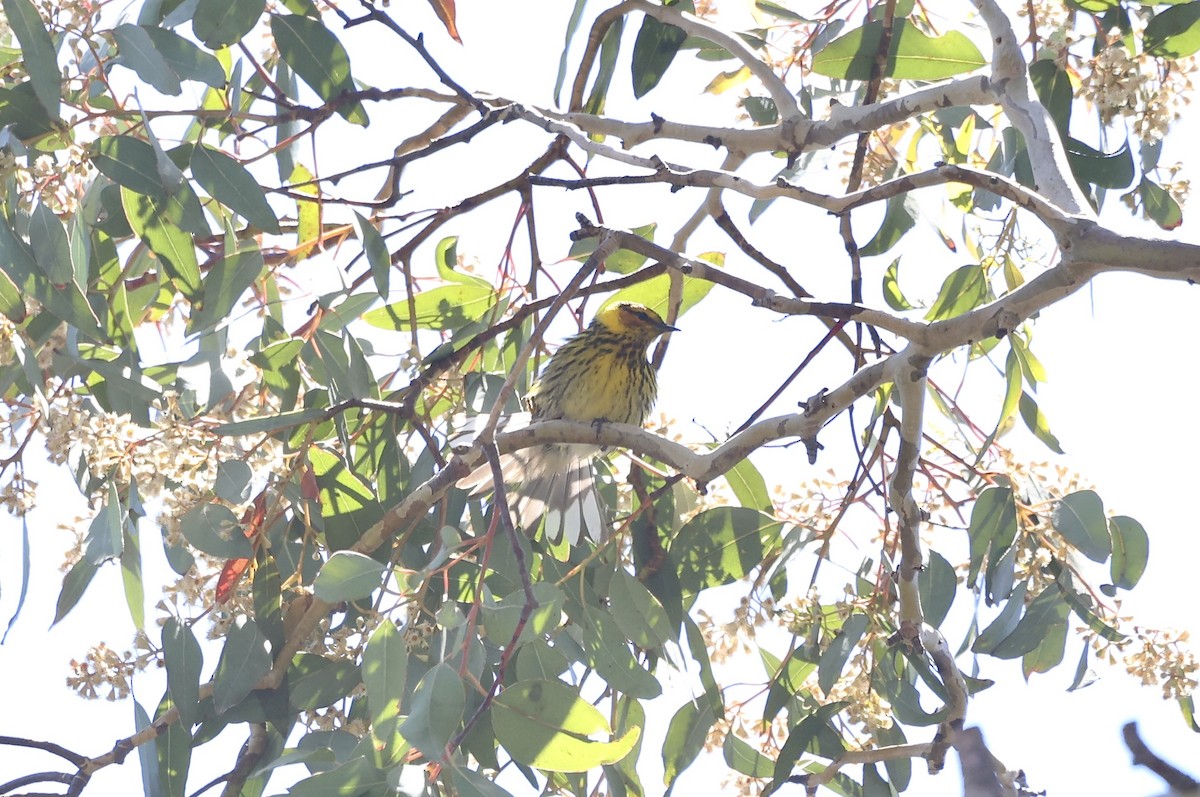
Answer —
(599, 375)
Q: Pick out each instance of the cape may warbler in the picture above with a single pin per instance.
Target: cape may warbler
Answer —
(601, 374)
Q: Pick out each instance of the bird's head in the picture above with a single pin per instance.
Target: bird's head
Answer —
(633, 320)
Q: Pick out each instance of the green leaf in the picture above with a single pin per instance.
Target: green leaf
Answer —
(898, 219)
(316, 682)
(48, 239)
(447, 307)
(156, 222)
(271, 423)
(1053, 87)
(174, 748)
(655, 49)
(787, 679)
(685, 738)
(829, 669)
(12, 304)
(610, 47)
(320, 60)
(1130, 552)
(228, 182)
(1004, 623)
(385, 675)
(233, 481)
(720, 546)
(891, 288)
(1044, 612)
(104, 533)
(800, 737)
(137, 52)
(1101, 169)
(1174, 32)
(963, 290)
(749, 486)
(220, 23)
(1037, 423)
(994, 517)
(347, 576)
(65, 302)
(547, 725)
(911, 54)
(184, 661)
(699, 650)
(474, 783)
(437, 709)
(743, 758)
(655, 293)
(622, 261)
(1080, 518)
(228, 280)
(73, 586)
(761, 110)
(376, 251)
(268, 601)
(129, 162)
(355, 777)
(37, 51)
(20, 108)
(938, 585)
(1158, 205)
(185, 58)
(502, 617)
(215, 530)
(607, 652)
(638, 613)
(244, 660)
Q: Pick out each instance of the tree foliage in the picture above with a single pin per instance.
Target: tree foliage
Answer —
(235, 314)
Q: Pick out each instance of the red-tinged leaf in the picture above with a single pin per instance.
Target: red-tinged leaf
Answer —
(445, 11)
(308, 485)
(231, 574)
(234, 569)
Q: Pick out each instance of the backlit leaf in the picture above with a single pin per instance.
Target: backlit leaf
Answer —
(912, 55)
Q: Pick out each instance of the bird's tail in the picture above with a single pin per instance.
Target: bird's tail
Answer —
(555, 482)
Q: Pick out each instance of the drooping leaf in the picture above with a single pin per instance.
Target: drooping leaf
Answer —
(912, 55)
(436, 711)
(384, 673)
(1037, 423)
(1173, 32)
(185, 59)
(546, 724)
(37, 51)
(1080, 518)
(184, 661)
(829, 669)
(964, 289)
(137, 51)
(446, 13)
(244, 659)
(347, 576)
(1158, 205)
(316, 55)
(221, 23)
(233, 186)
(215, 530)
(1130, 551)
(443, 307)
(157, 222)
(316, 682)
(686, 735)
(899, 217)
(654, 50)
